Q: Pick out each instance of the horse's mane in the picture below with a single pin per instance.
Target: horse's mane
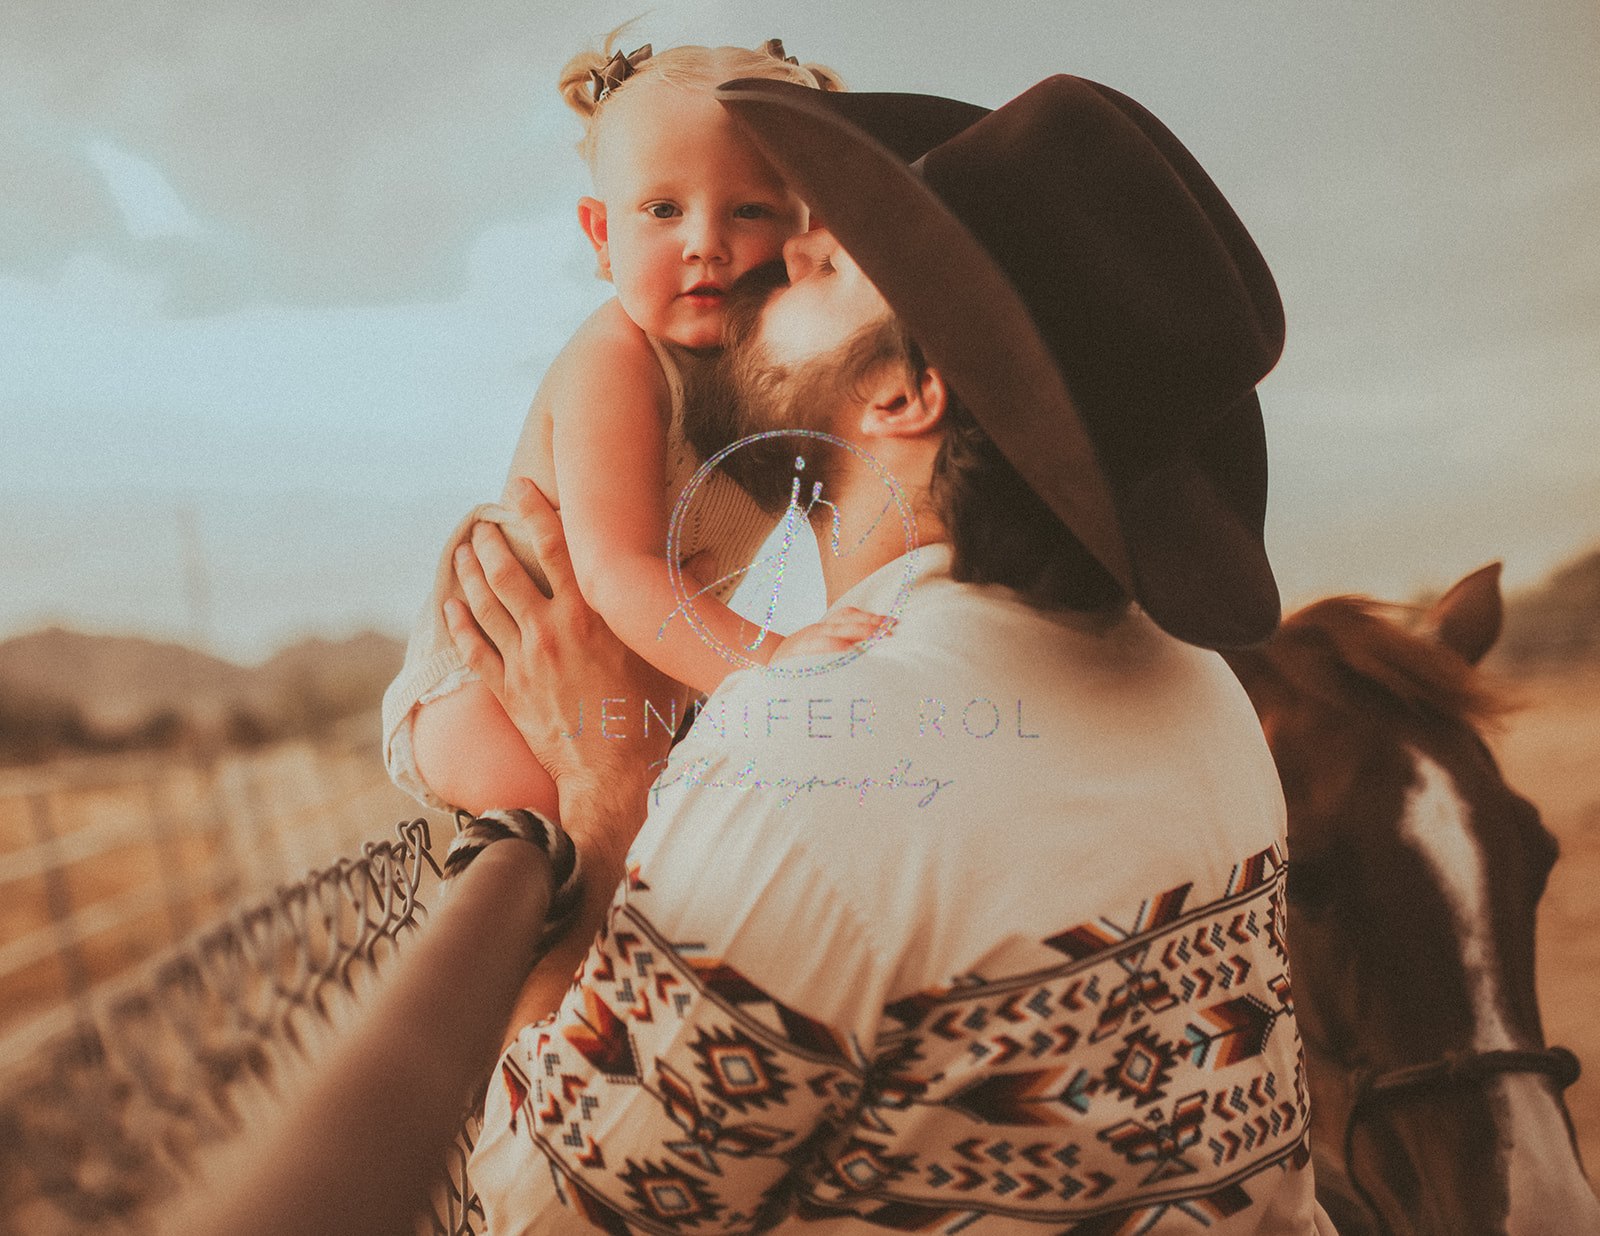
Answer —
(1369, 641)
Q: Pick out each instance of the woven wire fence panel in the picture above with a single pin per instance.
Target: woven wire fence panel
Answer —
(109, 1120)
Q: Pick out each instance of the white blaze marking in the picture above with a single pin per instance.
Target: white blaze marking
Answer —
(1545, 1182)
(1434, 822)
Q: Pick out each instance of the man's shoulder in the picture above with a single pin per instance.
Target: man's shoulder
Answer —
(978, 683)
(951, 637)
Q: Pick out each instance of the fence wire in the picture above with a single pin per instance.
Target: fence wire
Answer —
(108, 1120)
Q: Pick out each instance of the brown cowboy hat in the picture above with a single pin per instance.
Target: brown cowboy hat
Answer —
(1085, 288)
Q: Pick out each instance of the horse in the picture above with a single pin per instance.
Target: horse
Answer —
(1414, 877)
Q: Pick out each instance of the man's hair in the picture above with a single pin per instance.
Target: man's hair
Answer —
(1001, 532)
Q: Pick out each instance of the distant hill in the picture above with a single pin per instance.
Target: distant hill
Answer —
(117, 680)
(337, 676)
(1558, 622)
(63, 689)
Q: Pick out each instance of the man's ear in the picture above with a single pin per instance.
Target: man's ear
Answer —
(592, 218)
(905, 405)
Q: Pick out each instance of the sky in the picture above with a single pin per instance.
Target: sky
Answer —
(277, 281)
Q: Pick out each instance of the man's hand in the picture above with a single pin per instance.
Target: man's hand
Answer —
(547, 658)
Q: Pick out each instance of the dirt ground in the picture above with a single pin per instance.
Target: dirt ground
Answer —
(1550, 753)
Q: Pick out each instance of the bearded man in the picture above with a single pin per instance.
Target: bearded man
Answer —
(978, 927)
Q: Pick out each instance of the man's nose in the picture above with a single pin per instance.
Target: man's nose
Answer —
(803, 253)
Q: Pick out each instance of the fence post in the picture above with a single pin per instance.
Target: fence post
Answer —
(177, 886)
(58, 899)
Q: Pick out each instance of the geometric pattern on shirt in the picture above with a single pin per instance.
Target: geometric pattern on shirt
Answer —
(1155, 1072)
(1152, 1072)
(740, 1079)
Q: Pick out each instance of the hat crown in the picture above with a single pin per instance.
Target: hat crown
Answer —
(1143, 282)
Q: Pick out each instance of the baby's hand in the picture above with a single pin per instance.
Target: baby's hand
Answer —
(840, 629)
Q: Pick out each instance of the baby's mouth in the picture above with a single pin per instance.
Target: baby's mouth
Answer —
(711, 291)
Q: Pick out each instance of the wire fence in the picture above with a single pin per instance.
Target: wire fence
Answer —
(152, 1050)
(104, 861)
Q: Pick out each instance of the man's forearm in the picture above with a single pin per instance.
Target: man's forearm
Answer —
(602, 809)
(602, 815)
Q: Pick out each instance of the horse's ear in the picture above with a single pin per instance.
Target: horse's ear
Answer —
(1467, 618)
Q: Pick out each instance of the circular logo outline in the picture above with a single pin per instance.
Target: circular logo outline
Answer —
(742, 660)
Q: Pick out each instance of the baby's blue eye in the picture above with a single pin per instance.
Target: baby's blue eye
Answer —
(753, 210)
(663, 210)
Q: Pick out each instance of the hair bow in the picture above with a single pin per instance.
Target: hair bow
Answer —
(774, 48)
(614, 72)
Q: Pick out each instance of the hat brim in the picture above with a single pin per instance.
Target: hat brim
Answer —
(1166, 535)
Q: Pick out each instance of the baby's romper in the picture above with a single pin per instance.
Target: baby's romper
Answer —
(722, 519)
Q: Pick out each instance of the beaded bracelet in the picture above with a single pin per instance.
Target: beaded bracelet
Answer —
(566, 876)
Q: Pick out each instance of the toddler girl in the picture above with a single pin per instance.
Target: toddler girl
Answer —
(683, 206)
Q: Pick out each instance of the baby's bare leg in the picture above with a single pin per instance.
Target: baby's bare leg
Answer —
(471, 755)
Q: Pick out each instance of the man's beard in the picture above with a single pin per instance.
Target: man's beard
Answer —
(730, 399)
(743, 394)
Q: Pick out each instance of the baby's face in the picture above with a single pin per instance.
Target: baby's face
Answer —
(687, 205)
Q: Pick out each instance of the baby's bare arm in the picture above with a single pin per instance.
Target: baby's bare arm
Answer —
(611, 409)
(835, 631)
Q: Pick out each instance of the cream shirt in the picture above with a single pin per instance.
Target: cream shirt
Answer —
(981, 930)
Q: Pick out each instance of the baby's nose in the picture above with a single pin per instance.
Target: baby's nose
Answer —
(705, 241)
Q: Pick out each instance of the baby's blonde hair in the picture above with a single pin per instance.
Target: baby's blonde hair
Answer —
(688, 66)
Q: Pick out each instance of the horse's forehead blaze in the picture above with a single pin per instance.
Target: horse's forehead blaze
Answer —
(1508, 825)
(1506, 828)
(1478, 880)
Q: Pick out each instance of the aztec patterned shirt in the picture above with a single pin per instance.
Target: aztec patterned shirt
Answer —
(979, 932)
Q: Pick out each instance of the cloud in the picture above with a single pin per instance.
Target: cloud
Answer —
(108, 387)
(348, 152)
(149, 206)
